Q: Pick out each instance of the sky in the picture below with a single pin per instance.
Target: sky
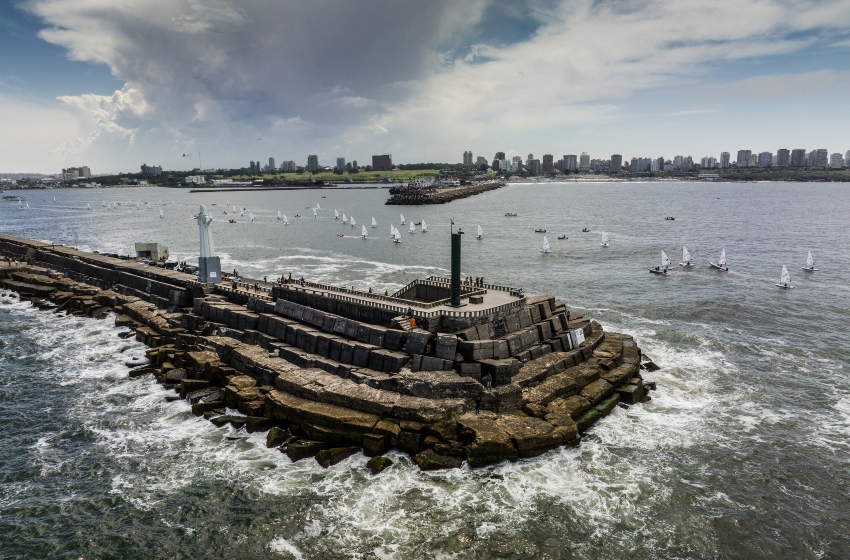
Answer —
(113, 84)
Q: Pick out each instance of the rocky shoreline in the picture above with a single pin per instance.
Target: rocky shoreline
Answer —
(324, 385)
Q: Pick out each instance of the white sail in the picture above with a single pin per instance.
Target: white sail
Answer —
(278, 214)
(315, 213)
(54, 199)
(137, 206)
(318, 207)
(172, 203)
(28, 205)
(242, 212)
(392, 230)
(605, 240)
(160, 202)
(344, 219)
(374, 223)
(227, 202)
(161, 214)
(364, 233)
(686, 256)
(665, 260)
(104, 204)
(353, 223)
(480, 233)
(424, 226)
(397, 237)
(722, 261)
(234, 209)
(285, 220)
(336, 214)
(810, 261)
(412, 229)
(546, 247)
(88, 206)
(785, 278)
(251, 215)
(401, 218)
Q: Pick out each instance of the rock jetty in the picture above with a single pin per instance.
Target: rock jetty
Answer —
(329, 372)
(413, 194)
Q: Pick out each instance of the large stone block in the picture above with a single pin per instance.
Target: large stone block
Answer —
(446, 346)
(361, 354)
(417, 341)
(597, 390)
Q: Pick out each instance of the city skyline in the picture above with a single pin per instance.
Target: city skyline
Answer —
(116, 85)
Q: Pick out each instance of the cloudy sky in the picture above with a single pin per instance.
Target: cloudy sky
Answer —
(115, 83)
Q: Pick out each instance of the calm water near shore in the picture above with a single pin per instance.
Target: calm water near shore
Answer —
(742, 453)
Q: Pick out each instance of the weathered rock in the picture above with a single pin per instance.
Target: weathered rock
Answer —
(141, 371)
(409, 442)
(296, 410)
(597, 390)
(531, 436)
(304, 449)
(558, 385)
(389, 429)
(200, 408)
(378, 464)
(375, 444)
(334, 455)
(276, 437)
(258, 424)
(487, 442)
(175, 376)
(571, 406)
(428, 460)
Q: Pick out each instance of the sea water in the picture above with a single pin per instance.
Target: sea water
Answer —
(742, 453)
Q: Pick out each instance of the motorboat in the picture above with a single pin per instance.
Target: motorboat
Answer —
(540, 230)
(562, 237)
(585, 230)
(510, 215)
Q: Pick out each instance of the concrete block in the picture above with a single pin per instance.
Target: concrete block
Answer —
(417, 341)
(346, 352)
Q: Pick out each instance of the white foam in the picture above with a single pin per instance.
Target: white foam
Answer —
(284, 547)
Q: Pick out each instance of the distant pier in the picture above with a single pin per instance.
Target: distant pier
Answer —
(413, 195)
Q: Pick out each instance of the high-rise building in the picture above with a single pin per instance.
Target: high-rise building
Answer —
(810, 158)
(480, 160)
(724, 160)
(765, 159)
(836, 161)
(272, 166)
(312, 163)
(783, 158)
(467, 158)
(340, 164)
(821, 158)
(534, 166)
(288, 166)
(798, 158)
(548, 162)
(584, 162)
(500, 155)
(570, 162)
(744, 158)
(354, 164)
(708, 162)
(383, 162)
(85, 172)
(847, 158)
(616, 163)
(151, 170)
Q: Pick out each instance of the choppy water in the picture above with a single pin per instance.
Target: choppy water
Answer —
(742, 453)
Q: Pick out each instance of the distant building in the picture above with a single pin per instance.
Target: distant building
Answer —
(584, 162)
(570, 162)
(616, 163)
(354, 164)
(657, 165)
(765, 159)
(481, 160)
(467, 158)
(534, 166)
(724, 160)
(272, 167)
(194, 179)
(548, 163)
(85, 172)
(836, 161)
(312, 163)
(783, 158)
(499, 155)
(151, 171)
(744, 158)
(70, 174)
(340, 164)
(810, 158)
(382, 162)
(798, 158)
(504, 165)
(821, 158)
(847, 158)
(288, 166)
(708, 162)
(600, 165)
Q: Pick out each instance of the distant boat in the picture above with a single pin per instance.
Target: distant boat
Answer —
(546, 247)
(172, 203)
(278, 214)
(137, 206)
(363, 233)
(242, 212)
(160, 202)
(104, 204)
(784, 279)
(397, 237)
(318, 207)
(720, 264)
(353, 223)
(231, 221)
(336, 214)
(605, 240)
(344, 219)
(562, 237)
(480, 234)
(510, 214)
(810, 263)
(392, 230)
(539, 230)
(227, 202)
(412, 228)
(686, 258)
(161, 214)
(585, 230)
(27, 205)
(665, 264)
(88, 206)
(54, 199)
(285, 220)
(251, 215)
(315, 213)
(424, 227)
(670, 218)
(374, 223)
(148, 204)
(401, 219)
(234, 209)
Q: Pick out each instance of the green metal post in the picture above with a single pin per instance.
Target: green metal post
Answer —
(456, 269)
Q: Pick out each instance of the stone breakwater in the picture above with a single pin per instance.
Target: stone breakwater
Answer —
(328, 376)
(415, 196)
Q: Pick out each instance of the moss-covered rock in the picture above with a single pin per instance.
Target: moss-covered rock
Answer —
(375, 444)
(428, 460)
(332, 456)
(378, 464)
(276, 437)
(304, 448)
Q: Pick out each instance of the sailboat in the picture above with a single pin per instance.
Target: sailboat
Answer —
(336, 214)
(686, 258)
(285, 220)
(148, 204)
(54, 199)
(401, 219)
(161, 214)
(424, 227)
(480, 234)
(720, 264)
(315, 213)
(318, 207)
(278, 214)
(88, 206)
(785, 279)
(392, 230)
(546, 247)
(251, 215)
(28, 205)
(374, 223)
(353, 223)
(397, 237)
(234, 209)
(363, 233)
(810, 263)
(138, 206)
(242, 212)
(665, 264)
(227, 202)
(605, 240)
(172, 203)
(412, 229)
(104, 204)
(344, 219)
